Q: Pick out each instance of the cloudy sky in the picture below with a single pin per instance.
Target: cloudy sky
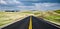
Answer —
(29, 4)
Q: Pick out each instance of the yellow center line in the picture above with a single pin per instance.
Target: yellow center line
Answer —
(30, 23)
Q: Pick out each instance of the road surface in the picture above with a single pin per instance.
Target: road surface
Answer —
(31, 22)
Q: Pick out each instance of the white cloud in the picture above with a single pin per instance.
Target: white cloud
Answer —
(45, 4)
(26, 7)
(41, 6)
(2, 2)
(13, 2)
(10, 2)
(49, 4)
(29, 0)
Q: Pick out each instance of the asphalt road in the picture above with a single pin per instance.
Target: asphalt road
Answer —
(42, 24)
(22, 24)
(33, 23)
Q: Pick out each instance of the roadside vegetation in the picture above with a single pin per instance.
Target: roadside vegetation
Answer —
(57, 11)
(8, 17)
(53, 17)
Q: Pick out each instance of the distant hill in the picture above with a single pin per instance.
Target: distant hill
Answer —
(57, 11)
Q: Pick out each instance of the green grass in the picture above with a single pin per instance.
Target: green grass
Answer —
(57, 11)
(8, 17)
(53, 18)
(27, 12)
(49, 16)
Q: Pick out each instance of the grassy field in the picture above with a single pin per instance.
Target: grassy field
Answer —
(57, 11)
(8, 17)
(50, 16)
